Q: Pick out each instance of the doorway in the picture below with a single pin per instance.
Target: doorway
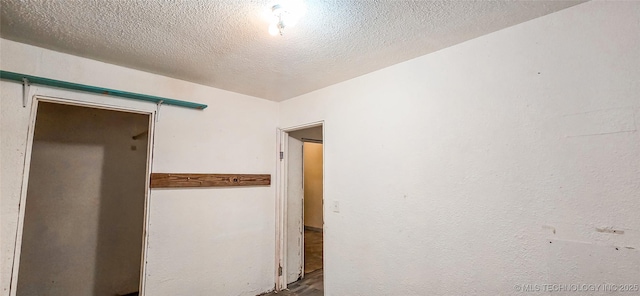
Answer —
(83, 223)
(302, 222)
(312, 201)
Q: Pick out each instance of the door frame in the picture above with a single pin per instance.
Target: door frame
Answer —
(13, 286)
(281, 199)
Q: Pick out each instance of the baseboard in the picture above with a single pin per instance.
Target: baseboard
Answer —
(310, 228)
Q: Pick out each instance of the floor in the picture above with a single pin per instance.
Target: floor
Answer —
(312, 250)
(312, 284)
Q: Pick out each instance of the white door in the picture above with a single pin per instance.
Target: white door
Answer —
(295, 194)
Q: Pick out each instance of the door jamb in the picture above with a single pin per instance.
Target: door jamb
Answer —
(281, 199)
(13, 286)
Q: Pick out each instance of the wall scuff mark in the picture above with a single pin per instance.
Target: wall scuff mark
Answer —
(553, 229)
(609, 230)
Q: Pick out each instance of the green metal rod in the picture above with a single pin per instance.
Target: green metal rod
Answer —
(98, 90)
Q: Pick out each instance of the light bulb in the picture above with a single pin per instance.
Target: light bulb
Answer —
(277, 9)
(294, 7)
(285, 14)
(273, 29)
(289, 19)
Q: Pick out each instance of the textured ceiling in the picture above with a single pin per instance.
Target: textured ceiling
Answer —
(225, 44)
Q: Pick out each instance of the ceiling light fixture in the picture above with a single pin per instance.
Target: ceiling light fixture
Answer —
(285, 14)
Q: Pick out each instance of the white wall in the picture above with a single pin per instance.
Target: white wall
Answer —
(488, 164)
(313, 184)
(85, 203)
(201, 241)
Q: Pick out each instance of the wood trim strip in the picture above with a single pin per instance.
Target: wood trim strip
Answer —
(183, 180)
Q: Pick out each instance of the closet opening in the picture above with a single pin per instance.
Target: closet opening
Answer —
(82, 229)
